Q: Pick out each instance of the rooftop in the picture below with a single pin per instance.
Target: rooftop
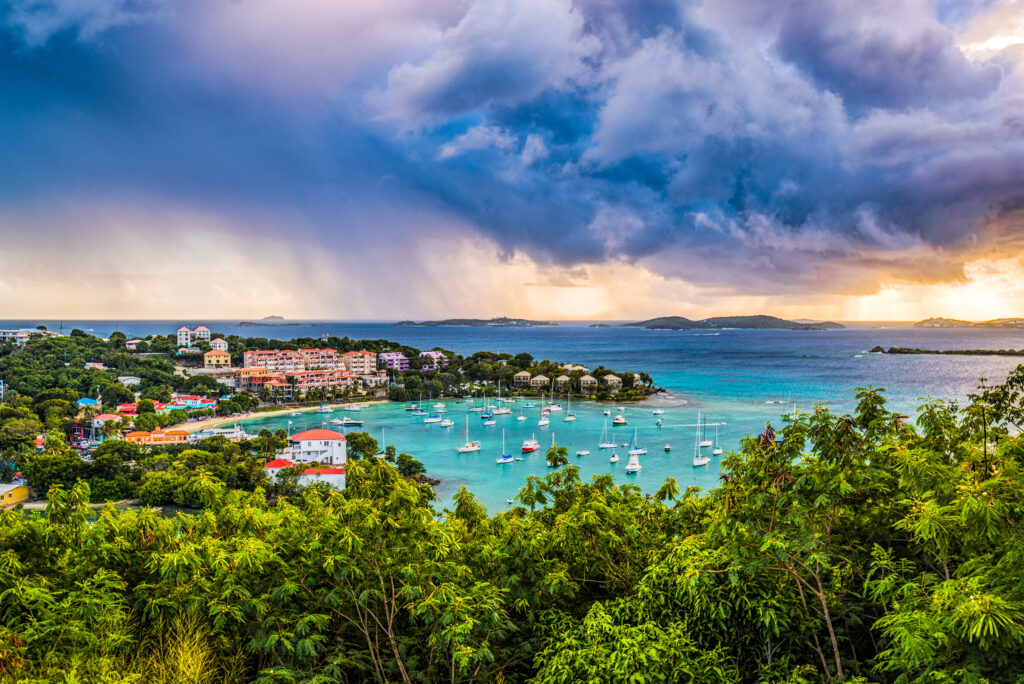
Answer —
(279, 463)
(320, 434)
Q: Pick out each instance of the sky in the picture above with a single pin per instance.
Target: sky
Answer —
(586, 159)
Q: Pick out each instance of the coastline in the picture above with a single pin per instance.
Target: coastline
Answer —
(207, 423)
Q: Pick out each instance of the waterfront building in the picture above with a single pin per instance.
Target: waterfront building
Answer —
(521, 378)
(588, 381)
(317, 446)
(217, 358)
(133, 408)
(540, 381)
(219, 344)
(360, 362)
(306, 380)
(375, 378)
(394, 360)
(274, 361)
(612, 380)
(185, 402)
(562, 381)
(432, 360)
(322, 359)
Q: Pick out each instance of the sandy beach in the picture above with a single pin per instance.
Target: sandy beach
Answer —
(251, 415)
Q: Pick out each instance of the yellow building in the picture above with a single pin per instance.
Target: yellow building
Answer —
(217, 359)
(11, 494)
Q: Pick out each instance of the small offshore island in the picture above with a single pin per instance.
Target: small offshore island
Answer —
(758, 322)
(500, 322)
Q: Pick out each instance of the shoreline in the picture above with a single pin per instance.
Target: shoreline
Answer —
(207, 423)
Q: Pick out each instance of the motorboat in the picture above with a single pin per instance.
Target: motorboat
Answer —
(336, 421)
(544, 420)
(619, 420)
(607, 412)
(583, 452)
(633, 466)
(668, 447)
(614, 458)
(490, 422)
(447, 422)
(658, 412)
(554, 408)
(350, 422)
(530, 445)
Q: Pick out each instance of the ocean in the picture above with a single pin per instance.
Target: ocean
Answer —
(727, 376)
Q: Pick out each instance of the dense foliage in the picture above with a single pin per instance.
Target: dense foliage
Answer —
(847, 547)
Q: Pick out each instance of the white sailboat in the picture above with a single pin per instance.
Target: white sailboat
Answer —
(569, 415)
(614, 458)
(704, 442)
(467, 446)
(699, 459)
(605, 442)
(716, 451)
(521, 416)
(633, 466)
(447, 422)
(544, 420)
(505, 457)
(635, 449)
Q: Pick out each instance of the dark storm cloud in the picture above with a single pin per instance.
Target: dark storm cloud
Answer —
(784, 141)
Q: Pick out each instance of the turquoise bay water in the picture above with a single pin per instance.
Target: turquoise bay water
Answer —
(727, 375)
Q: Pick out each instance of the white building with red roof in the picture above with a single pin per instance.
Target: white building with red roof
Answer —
(335, 476)
(219, 344)
(317, 446)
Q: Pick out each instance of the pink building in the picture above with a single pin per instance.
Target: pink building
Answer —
(394, 360)
(290, 361)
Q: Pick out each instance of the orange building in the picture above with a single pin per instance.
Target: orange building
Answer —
(157, 437)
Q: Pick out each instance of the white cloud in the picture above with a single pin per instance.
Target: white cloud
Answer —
(39, 20)
(477, 138)
(502, 51)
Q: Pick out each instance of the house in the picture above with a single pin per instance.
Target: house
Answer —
(20, 337)
(521, 378)
(99, 420)
(588, 381)
(216, 358)
(157, 436)
(394, 360)
(360, 362)
(86, 402)
(539, 381)
(432, 360)
(219, 345)
(133, 408)
(132, 345)
(97, 365)
(13, 494)
(561, 381)
(129, 380)
(189, 351)
(612, 380)
(317, 446)
(184, 402)
(332, 476)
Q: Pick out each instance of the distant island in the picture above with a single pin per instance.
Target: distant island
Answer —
(721, 322)
(266, 320)
(952, 352)
(502, 322)
(956, 323)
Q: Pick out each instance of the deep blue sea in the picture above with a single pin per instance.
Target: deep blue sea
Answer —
(728, 376)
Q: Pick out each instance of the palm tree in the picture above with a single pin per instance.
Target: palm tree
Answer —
(669, 490)
(557, 456)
